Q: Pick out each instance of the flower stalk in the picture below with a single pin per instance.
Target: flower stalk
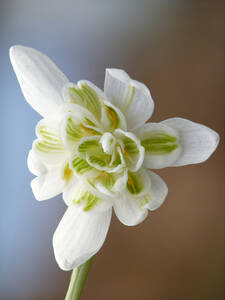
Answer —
(77, 280)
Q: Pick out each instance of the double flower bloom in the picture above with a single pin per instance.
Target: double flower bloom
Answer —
(96, 148)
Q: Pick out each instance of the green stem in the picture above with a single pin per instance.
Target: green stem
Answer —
(77, 280)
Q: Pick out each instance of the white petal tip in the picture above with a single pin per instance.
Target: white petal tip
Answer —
(158, 192)
(198, 142)
(216, 139)
(118, 73)
(137, 221)
(36, 187)
(14, 51)
(40, 79)
(64, 265)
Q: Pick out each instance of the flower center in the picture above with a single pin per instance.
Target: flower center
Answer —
(108, 142)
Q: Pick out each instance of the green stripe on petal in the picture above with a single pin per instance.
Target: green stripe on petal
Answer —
(90, 149)
(85, 95)
(107, 179)
(128, 98)
(162, 145)
(80, 166)
(133, 152)
(85, 198)
(97, 161)
(138, 183)
(159, 143)
(48, 140)
(130, 146)
(112, 117)
(90, 200)
(110, 184)
(49, 146)
(134, 185)
(73, 132)
(87, 145)
(77, 125)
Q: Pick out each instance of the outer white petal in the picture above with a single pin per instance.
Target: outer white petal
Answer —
(70, 190)
(40, 79)
(129, 211)
(132, 97)
(158, 191)
(34, 164)
(48, 185)
(79, 236)
(198, 141)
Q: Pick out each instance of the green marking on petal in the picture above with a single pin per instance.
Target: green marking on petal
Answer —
(85, 197)
(87, 145)
(80, 165)
(48, 141)
(159, 143)
(107, 180)
(110, 182)
(73, 132)
(130, 146)
(134, 184)
(77, 129)
(87, 97)
(143, 201)
(129, 97)
(104, 162)
(161, 149)
(97, 161)
(91, 201)
(112, 117)
(91, 150)
(89, 122)
(147, 198)
(116, 158)
(133, 152)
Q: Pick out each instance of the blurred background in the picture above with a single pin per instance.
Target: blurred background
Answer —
(177, 49)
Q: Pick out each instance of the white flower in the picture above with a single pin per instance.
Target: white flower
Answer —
(95, 147)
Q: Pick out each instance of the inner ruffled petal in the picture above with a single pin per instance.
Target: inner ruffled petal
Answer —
(85, 94)
(90, 149)
(78, 123)
(49, 146)
(132, 150)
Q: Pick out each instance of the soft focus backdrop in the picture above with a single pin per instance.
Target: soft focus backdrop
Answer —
(177, 49)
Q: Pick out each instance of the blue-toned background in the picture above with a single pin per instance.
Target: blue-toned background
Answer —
(177, 49)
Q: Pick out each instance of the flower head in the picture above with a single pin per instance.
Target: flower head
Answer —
(96, 148)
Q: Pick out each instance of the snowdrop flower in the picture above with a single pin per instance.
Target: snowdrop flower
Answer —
(96, 148)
